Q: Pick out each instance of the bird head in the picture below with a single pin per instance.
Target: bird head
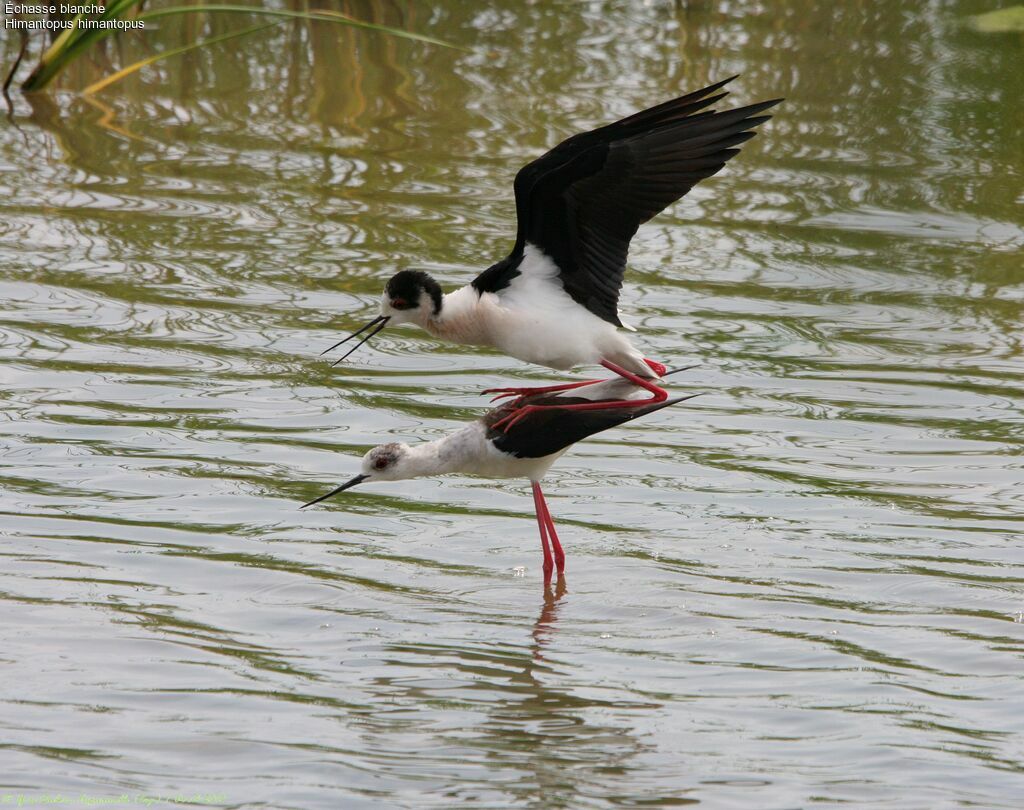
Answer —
(386, 462)
(410, 296)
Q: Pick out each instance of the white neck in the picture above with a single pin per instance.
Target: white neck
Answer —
(426, 459)
(458, 302)
(459, 319)
(453, 453)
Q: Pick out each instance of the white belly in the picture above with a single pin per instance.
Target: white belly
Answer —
(552, 337)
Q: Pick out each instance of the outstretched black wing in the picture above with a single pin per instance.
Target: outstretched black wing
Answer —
(582, 202)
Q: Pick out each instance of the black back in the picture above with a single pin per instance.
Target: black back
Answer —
(582, 202)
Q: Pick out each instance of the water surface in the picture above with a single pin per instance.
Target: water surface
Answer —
(804, 588)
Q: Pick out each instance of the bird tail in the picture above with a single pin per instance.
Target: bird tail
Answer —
(670, 372)
(657, 406)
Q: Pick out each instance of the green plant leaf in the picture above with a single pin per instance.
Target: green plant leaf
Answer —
(70, 43)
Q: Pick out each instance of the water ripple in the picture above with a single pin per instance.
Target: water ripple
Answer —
(805, 572)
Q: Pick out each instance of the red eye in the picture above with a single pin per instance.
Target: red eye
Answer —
(380, 464)
(399, 303)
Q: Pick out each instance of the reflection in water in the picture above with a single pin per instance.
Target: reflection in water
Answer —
(545, 624)
(507, 714)
(811, 573)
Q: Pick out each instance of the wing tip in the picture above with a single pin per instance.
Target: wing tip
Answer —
(718, 85)
(751, 110)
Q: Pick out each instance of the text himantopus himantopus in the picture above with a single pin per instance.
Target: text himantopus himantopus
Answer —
(554, 299)
(526, 449)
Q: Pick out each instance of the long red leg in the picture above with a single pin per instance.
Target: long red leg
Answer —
(525, 392)
(658, 394)
(541, 509)
(559, 554)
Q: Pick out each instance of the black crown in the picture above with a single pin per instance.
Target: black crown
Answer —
(406, 285)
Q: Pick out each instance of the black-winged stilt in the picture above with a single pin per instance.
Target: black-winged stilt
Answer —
(526, 449)
(554, 299)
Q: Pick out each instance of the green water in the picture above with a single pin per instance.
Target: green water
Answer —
(802, 589)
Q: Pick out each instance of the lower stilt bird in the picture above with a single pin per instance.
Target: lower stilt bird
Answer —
(526, 449)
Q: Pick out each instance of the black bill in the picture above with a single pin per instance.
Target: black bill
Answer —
(380, 322)
(357, 480)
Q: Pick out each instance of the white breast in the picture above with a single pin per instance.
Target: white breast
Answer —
(540, 322)
(536, 320)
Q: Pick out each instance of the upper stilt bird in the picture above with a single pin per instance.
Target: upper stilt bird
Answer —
(554, 299)
(526, 449)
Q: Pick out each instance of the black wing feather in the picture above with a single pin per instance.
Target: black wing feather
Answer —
(544, 432)
(582, 202)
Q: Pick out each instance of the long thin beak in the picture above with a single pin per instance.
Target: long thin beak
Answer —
(357, 480)
(380, 322)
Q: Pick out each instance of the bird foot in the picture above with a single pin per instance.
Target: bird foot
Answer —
(656, 367)
(526, 392)
(502, 393)
(510, 420)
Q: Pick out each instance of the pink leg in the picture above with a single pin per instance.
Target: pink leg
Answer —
(525, 392)
(559, 554)
(658, 394)
(540, 509)
(658, 368)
